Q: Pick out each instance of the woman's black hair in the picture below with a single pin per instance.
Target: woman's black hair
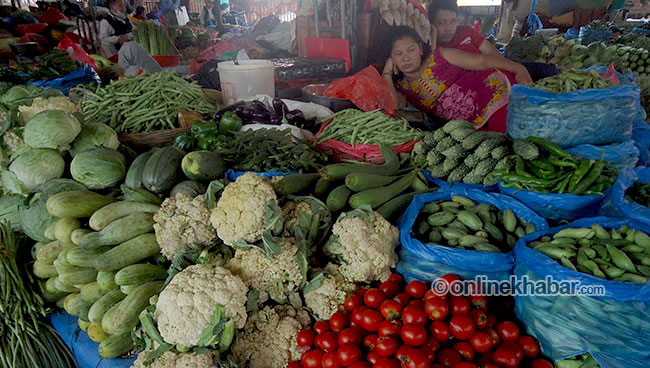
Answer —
(400, 32)
(435, 5)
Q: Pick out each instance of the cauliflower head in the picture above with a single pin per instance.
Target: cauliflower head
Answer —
(185, 306)
(365, 245)
(334, 288)
(171, 359)
(274, 277)
(269, 338)
(182, 220)
(290, 212)
(239, 213)
(26, 113)
(12, 141)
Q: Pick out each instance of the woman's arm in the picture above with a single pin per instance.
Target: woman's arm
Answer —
(470, 61)
(387, 74)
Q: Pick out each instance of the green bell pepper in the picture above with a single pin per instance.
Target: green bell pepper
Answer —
(185, 141)
(230, 122)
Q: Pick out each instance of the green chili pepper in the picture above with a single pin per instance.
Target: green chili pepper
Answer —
(520, 167)
(542, 183)
(563, 162)
(541, 173)
(184, 141)
(590, 179)
(543, 164)
(551, 147)
(580, 172)
(230, 122)
(561, 186)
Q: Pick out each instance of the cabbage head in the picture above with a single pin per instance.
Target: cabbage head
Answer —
(98, 168)
(36, 166)
(14, 95)
(51, 129)
(94, 134)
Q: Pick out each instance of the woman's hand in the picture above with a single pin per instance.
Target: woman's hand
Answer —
(522, 76)
(390, 68)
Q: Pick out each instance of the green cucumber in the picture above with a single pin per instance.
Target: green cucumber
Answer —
(110, 213)
(377, 196)
(295, 183)
(358, 182)
(338, 198)
(119, 231)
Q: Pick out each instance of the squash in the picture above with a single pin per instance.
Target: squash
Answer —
(76, 204)
(103, 304)
(203, 165)
(115, 345)
(189, 187)
(161, 170)
(128, 253)
(140, 273)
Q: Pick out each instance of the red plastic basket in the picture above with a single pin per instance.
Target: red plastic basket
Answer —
(167, 61)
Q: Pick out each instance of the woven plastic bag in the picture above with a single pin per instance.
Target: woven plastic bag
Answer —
(616, 205)
(427, 262)
(366, 89)
(614, 328)
(591, 116)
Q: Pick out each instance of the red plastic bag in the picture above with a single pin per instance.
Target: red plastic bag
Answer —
(611, 74)
(52, 16)
(366, 89)
(342, 151)
(77, 53)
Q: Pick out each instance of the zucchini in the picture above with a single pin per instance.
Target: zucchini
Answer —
(116, 345)
(295, 183)
(134, 174)
(140, 195)
(119, 231)
(106, 280)
(83, 257)
(358, 182)
(43, 271)
(50, 296)
(96, 332)
(162, 168)
(35, 248)
(109, 213)
(128, 289)
(377, 196)
(50, 287)
(140, 273)
(83, 324)
(122, 317)
(395, 205)
(128, 253)
(91, 292)
(64, 228)
(338, 198)
(73, 304)
(336, 172)
(76, 235)
(76, 204)
(321, 187)
(62, 266)
(50, 231)
(60, 301)
(83, 312)
(49, 252)
(103, 304)
(81, 277)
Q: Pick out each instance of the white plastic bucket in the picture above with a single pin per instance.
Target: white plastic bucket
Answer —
(249, 78)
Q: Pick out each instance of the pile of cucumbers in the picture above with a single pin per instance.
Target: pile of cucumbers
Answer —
(103, 274)
(461, 223)
(620, 254)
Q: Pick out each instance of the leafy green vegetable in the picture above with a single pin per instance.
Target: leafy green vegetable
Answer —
(94, 134)
(36, 166)
(98, 168)
(51, 129)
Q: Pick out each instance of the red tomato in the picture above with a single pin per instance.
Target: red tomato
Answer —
(360, 364)
(481, 342)
(312, 359)
(402, 351)
(306, 338)
(402, 298)
(372, 357)
(494, 336)
(540, 363)
(321, 327)
(351, 335)
(436, 309)
(436, 365)
(390, 288)
(508, 331)
(352, 302)
(432, 294)
(416, 358)
(490, 365)
(295, 364)
(450, 278)
(418, 303)
(440, 330)
(480, 318)
(459, 306)
(478, 301)
(370, 342)
(465, 350)
(491, 320)
(361, 292)
(430, 347)
(339, 321)
(530, 346)
(465, 365)
(348, 354)
(390, 327)
(414, 334)
(386, 363)
(505, 358)
(328, 341)
(370, 320)
(374, 298)
(390, 309)
(448, 357)
(413, 315)
(356, 316)
(387, 346)
(396, 277)
(514, 347)
(329, 360)
(462, 327)
(416, 289)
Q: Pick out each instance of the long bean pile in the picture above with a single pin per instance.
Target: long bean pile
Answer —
(26, 338)
(358, 127)
(144, 103)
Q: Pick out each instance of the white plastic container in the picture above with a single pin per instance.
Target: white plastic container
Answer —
(249, 78)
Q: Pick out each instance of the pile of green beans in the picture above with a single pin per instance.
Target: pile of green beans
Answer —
(620, 254)
(573, 81)
(144, 103)
(26, 338)
(374, 127)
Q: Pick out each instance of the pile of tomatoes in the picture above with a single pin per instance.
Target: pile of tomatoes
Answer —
(392, 326)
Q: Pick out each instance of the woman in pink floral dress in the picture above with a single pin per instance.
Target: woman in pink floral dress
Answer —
(451, 84)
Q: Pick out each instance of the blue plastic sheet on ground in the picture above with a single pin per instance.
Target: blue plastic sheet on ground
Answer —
(588, 36)
(558, 207)
(614, 328)
(232, 175)
(624, 155)
(86, 75)
(641, 136)
(616, 205)
(426, 262)
(83, 348)
(591, 116)
(443, 184)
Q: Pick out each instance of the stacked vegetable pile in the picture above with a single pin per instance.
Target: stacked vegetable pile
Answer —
(573, 81)
(463, 224)
(392, 325)
(458, 153)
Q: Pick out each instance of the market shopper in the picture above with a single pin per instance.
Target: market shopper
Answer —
(451, 84)
(211, 15)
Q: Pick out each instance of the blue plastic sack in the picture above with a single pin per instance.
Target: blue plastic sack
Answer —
(614, 328)
(591, 116)
(572, 34)
(641, 136)
(624, 78)
(641, 31)
(232, 175)
(615, 204)
(444, 184)
(83, 348)
(621, 156)
(588, 35)
(86, 75)
(558, 207)
(427, 262)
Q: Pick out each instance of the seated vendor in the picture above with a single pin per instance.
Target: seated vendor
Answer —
(211, 15)
(448, 83)
(115, 35)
